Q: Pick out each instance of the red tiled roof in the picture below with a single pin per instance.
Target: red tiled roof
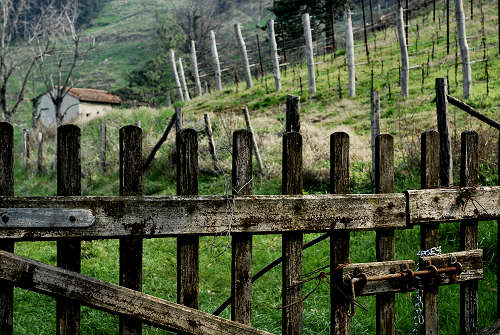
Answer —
(93, 95)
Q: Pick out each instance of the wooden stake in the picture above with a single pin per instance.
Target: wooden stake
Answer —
(183, 80)
(103, 147)
(445, 156)
(274, 55)
(241, 268)
(292, 113)
(254, 139)
(375, 126)
(187, 246)
(464, 48)
(351, 74)
(429, 234)
(68, 251)
(211, 143)
(244, 55)
(364, 32)
(384, 183)
(131, 248)
(340, 241)
(405, 67)
(6, 189)
(196, 74)
(176, 76)
(309, 53)
(469, 176)
(215, 56)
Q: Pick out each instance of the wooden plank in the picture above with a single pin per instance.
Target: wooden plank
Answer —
(471, 261)
(448, 205)
(60, 283)
(207, 215)
(384, 183)
(45, 218)
(292, 241)
(469, 176)
(376, 269)
(429, 234)
(494, 329)
(130, 248)
(241, 266)
(68, 251)
(6, 189)
(187, 246)
(340, 241)
(471, 111)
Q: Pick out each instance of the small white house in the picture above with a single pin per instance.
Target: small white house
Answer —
(80, 105)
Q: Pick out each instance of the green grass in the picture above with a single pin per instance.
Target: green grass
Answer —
(405, 119)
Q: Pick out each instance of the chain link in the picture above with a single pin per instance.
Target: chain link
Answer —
(418, 317)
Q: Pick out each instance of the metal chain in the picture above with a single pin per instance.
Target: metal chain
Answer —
(418, 317)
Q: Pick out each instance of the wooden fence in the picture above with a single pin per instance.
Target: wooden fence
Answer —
(130, 217)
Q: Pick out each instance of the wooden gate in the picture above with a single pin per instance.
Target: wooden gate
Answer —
(130, 217)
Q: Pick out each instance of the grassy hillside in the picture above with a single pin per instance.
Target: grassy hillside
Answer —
(321, 115)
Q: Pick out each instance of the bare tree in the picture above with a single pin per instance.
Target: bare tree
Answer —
(57, 67)
(197, 18)
(18, 32)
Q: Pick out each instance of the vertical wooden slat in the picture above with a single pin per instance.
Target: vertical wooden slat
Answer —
(292, 242)
(469, 176)
(384, 183)
(429, 234)
(241, 267)
(6, 189)
(68, 251)
(445, 158)
(130, 248)
(339, 241)
(187, 246)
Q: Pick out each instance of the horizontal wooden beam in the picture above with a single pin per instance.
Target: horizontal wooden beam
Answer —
(471, 261)
(56, 282)
(116, 217)
(453, 204)
(173, 215)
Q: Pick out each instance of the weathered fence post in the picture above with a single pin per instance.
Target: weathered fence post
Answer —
(405, 68)
(244, 55)
(375, 125)
(309, 53)
(429, 234)
(384, 183)
(183, 80)
(254, 139)
(102, 147)
(26, 149)
(215, 56)
(130, 248)
(176, 76)
(241, 267)
(6, 189)
(445, 158)
(469, 176)
(274, 55)
(68, 251)
(292, 113)
(211, 144)
(464, 48)
(292, 242)
(39, 160)
(186, 143)
(196, 73)
(351, 70)
(364, 32)
(339, 240)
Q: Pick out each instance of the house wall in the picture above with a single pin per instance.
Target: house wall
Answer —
(90, 111)
(45, 116)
